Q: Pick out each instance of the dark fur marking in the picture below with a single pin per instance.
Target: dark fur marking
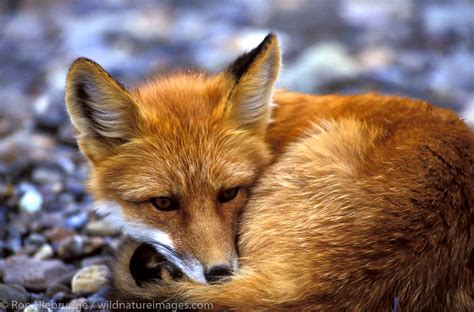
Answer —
(90, 113)
(243, 62)
(441, 158)
(146, 265)
(87, 110)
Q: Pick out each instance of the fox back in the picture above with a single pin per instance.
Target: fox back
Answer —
(368, 202)
(366, 209)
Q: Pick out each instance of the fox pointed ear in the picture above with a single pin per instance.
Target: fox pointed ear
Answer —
(102, 111)
(254, 74)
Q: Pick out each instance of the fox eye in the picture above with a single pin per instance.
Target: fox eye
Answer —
(228, 195)
(163, 203)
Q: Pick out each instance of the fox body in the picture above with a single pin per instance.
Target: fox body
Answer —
(336, 202)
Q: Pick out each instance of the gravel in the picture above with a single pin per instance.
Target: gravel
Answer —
(53, 248)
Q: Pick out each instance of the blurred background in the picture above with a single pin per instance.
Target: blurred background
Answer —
(423, 49)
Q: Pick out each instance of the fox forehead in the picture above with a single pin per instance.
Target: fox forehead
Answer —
(184, 138)
(185, 96)
(156, 166)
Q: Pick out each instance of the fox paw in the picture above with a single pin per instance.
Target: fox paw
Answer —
(147, 265)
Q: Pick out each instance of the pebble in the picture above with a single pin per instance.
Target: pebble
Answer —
(78, 246)
(66, 279)
(79, 304)
(47, 220)
(98, 299)
(56, 234)
(67, 203)
(28, 250)
(31, 201)
(56, 288)
(36, 307)
(62, 297)
(11, 246)
(12, 243)
(77, 221)
(102, 227)
(71, 247)
(44, 175)
(51, 118)
(35, 239)
(33, 273)
(106, 260)
(90, 279)
(45, 252)
(36, 297)
(16, 293)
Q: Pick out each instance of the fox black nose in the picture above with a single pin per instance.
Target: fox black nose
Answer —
(217, 273)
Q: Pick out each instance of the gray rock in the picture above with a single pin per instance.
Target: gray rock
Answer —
(46, 175)
(62, 297)
(46, 221)
(65, 279)
(71, 247)
(12, 245)
(15, 293)
(106, 260)
(67, 203)
(51, 116)
(56, 288)
(33, 273)
(78, 246)
(35, 239)
(77, 221)
(57, 234)
(90, 279)
(28, 250)
(98, 299)
(76, 305)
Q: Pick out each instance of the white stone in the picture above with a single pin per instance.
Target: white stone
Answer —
(44, 252)
(31, 201)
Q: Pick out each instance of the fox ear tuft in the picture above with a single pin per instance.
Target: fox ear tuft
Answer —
(254, 74)
(101, 110)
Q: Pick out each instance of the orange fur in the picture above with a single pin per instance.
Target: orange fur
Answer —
(371, 203)
(360, 199)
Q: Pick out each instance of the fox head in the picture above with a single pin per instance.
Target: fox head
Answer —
(173, 160)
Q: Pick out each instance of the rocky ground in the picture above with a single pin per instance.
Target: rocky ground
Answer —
(53, 249)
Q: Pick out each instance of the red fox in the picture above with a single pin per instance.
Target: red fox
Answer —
(334, 202)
